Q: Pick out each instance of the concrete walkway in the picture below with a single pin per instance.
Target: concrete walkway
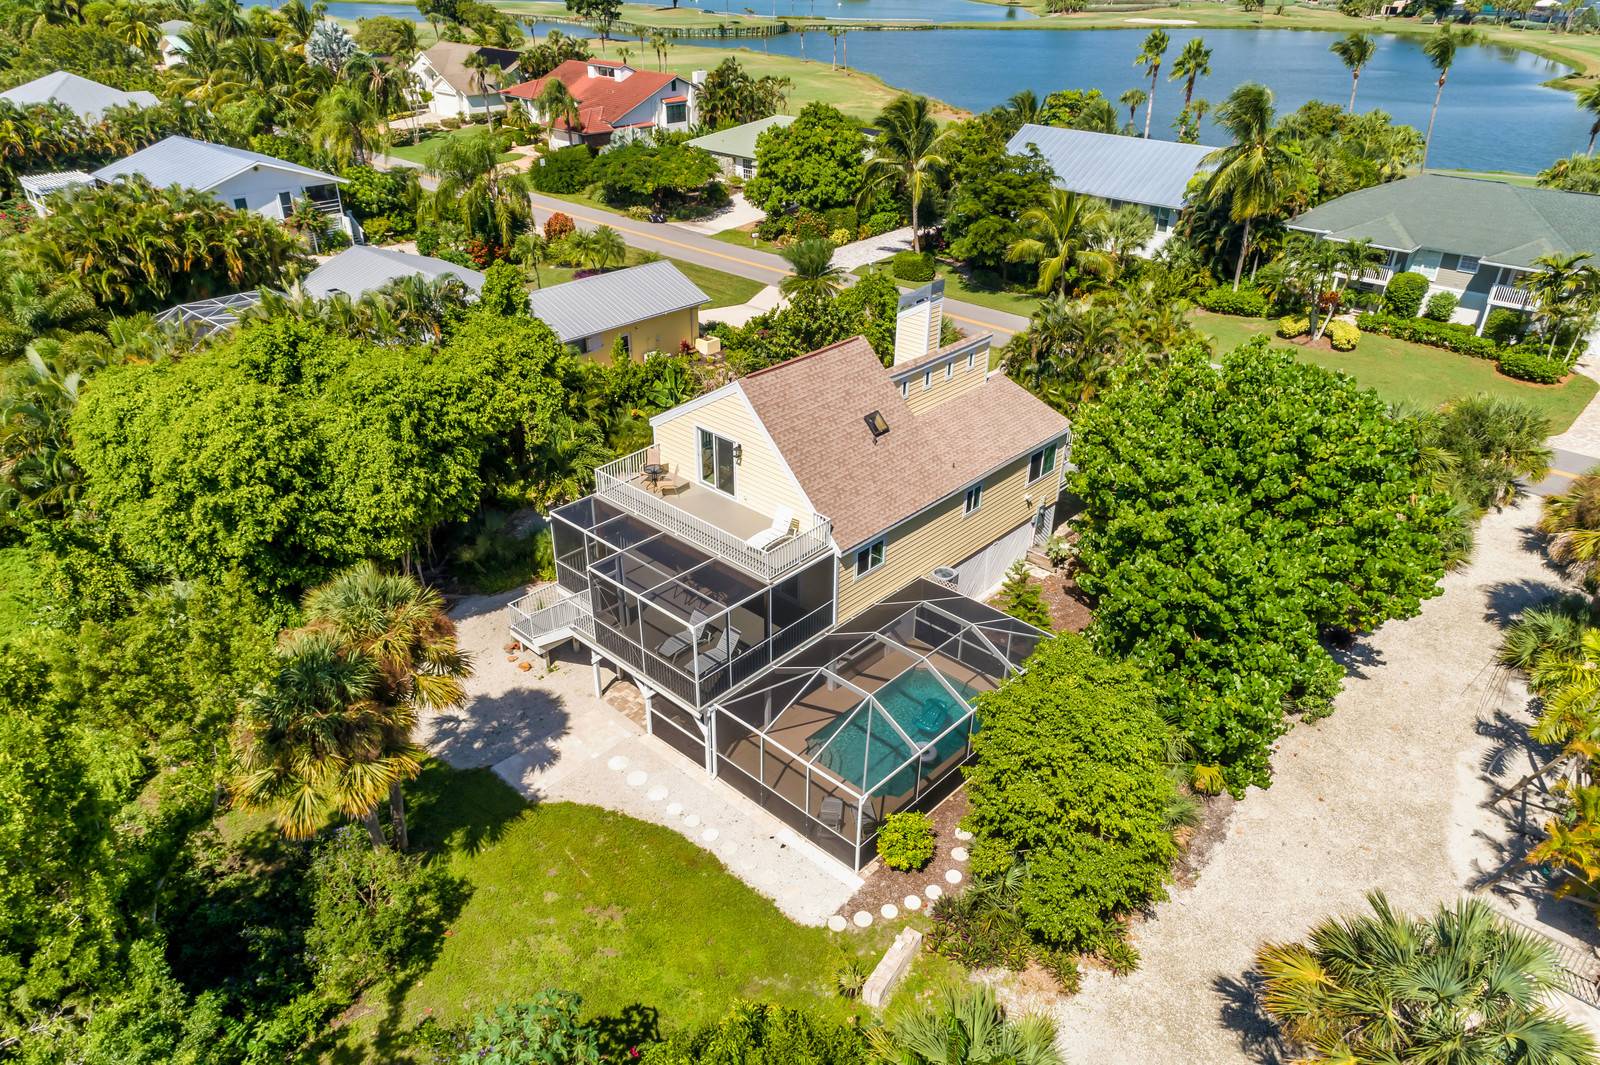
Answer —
(1385, 793)
(767, 299)
(848, 257)
(739, 212)
(549, 737)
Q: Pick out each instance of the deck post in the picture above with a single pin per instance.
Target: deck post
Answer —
(649, 709)
(594, 660)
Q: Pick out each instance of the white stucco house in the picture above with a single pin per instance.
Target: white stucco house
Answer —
(616, 102)
(452, 86)
(173, 47)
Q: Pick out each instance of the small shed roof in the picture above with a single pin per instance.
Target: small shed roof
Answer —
(362, 269)
(55, 181)
(201, 165)
(1114, 167)
(740, 141)
(84, 98)
(593, 305)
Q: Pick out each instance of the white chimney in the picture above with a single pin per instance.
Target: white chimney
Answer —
(916, 327)
(698, 77)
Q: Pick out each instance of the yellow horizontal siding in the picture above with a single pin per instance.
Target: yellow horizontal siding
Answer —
(944, 536)
(940, 390)
(665, 333)
(760, 480)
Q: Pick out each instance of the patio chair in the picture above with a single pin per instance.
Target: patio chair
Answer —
(780, 529)
(719, 654)
(831, 813)
(676, 644)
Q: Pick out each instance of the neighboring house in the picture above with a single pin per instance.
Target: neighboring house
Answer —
(651, 307)
(174, 49)
(615, 101)
(735, 147)
(245, 180)
(785, 573)
(84, 98)
(1472, 238)
(1154, 174)
(443, 72)
(356, 271)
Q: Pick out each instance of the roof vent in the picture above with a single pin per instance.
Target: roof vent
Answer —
(877, 424)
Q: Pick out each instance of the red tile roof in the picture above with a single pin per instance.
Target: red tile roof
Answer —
(602, 102)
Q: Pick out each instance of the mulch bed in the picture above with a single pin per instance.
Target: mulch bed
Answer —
(1068, 611)
(889, 885)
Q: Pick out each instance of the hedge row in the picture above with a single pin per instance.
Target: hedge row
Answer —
(1448, 335)
(1224, 299)
(1527, 365)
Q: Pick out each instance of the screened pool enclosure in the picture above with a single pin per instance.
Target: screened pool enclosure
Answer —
(873, 718)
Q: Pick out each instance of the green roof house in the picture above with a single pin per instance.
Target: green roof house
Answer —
(735, 147)
(1475, 239)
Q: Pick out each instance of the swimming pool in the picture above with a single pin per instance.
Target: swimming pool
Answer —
(861, 747)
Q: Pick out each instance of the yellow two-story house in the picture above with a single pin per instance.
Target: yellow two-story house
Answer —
(792, 572)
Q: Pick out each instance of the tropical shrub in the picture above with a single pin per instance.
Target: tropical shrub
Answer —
(1071, 784)
(1223, 572)
(1293, 325)
(1481, 449)
(559, 226)
(1343, 335)
(757, 1033)
(816, 162)
(1505, 326)
(912, 266)
(1441, 305)
(564, 170)
(1020, 597)
(964, 1023)
(1526, 365)
(1402, 296)
(546, 1031)
(980, 928)
(1223, 299)
(905, 841)
(1452, 336)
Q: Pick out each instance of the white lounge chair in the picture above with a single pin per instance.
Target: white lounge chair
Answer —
(718, 654)
(782, 522)
(678, 643)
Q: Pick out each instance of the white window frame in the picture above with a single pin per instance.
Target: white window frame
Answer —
(927, 379)
(733, 462)
(878, 546)
(286, 203)
(972, 357)
(905, 388)
(241, 204)
(972, 502)
(949, 369)
(1471, 260)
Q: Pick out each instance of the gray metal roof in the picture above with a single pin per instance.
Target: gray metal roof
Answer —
(1500, 223)
(84, 98)
(55, 181)
(362, 269)
(740, 141)
(593, 305)
(1114, 167)
(201, 165)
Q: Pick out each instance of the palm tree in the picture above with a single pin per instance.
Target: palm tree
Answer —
(1557, 288)
(1258, 170)
(532, 251)
(1461, 987)
(1355, 51)
(1061, 238)
(964, 1025)
(659, 43)
(556, 103)
(1149, 57)
(1023, 108)
(1441, 52)
(1589, 100)
(814, 271)
(1192, 64)
(401, 628)
(1572, 520)
(485, 73)
(1132, 99)
(313, 742)
(909, 152)
(346, 126)
(490, 204)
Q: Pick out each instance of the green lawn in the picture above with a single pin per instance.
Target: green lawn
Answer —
(745, 239)
(1426, 376)
(725, 290)
(1507, 176)
(628, 914)
(419, 152)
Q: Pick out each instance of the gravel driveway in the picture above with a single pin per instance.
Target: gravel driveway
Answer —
(1384, 793)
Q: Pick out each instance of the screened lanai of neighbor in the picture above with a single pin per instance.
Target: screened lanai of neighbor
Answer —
(871, 719)
(691, 623)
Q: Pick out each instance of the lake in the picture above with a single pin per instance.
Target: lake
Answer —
(864, 10)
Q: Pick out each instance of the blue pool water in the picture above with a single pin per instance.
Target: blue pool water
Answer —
(920, 705)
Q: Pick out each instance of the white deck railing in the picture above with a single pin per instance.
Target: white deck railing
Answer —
(614, 482)
(549, 609)
(1511, 296)
(1377, 275)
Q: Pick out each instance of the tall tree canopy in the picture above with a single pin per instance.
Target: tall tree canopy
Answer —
(1233, 516)
(816, 162)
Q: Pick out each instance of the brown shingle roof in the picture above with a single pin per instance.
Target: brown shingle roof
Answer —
(449, 61)
(814, 407)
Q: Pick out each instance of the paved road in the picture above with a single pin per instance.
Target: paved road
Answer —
(1565, 466)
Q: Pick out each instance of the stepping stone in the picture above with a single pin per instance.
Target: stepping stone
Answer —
(674, 809)
(913, 902)
(963, 835)
(710, 835)
(616, 763)
(959, 854)
(890, 911)
(836, 923)
(656, 794)
(862, 918)
(933, 891)
(637, 778)
(692, 820)
(952, 876)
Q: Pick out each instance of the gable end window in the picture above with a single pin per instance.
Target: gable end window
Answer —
(677, 114)
(927, 380)
(869, 558)
(240, 204)
(974, 499)
(1042, 462)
